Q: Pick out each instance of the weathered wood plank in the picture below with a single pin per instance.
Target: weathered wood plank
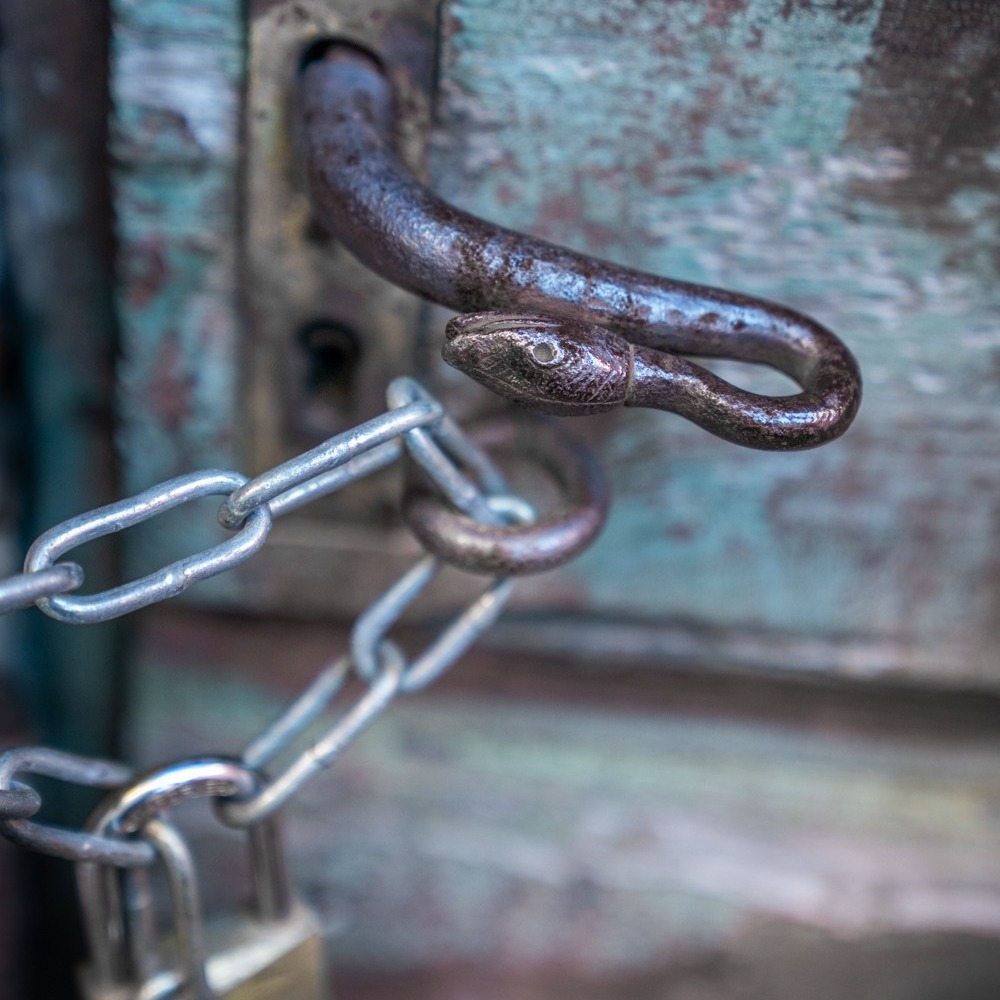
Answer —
(176, 77)
(543, 829)
(840, 157)
(781, 149)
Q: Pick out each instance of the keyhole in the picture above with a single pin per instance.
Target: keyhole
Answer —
(332, 354)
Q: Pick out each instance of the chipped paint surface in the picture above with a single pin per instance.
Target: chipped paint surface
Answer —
(676, 100)
(586, 829)
(802, 151)
(177, 71)
(731, 144)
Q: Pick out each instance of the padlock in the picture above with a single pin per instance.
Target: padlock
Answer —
(273, 952)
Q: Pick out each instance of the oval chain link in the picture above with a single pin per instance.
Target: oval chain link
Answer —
(164, 583)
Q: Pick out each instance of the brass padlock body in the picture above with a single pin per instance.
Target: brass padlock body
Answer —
(247, 960)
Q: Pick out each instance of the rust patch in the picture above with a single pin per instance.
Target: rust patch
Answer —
(932, 91)
(719, 13)
(169, 389)
(148, 271)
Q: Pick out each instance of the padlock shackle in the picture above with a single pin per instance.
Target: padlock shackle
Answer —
(129, 811)
(185, 903)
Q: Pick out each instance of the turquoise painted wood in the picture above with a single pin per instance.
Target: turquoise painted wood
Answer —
(528, 829)
(535, 833)
(176, 74)
(177, 70)
(799, 152)
(841, 157)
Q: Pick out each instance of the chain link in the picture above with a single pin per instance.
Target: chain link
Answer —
(74, 845)
(374, 700)
(164, 583)
(20, 801)
(324, 458)
(25, 589)
(438, 453)
(370, 629)
(460, 472)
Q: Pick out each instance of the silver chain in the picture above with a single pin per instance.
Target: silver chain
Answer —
(415, 424)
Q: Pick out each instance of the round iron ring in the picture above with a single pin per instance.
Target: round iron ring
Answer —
(516, 549)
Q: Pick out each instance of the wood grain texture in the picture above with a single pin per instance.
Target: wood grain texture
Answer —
(176, 77)
(841, 158)
(554, 831)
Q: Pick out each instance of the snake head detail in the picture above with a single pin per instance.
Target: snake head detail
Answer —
(557, 366)
(568, 367)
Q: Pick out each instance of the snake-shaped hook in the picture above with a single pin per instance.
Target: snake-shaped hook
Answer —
(575, 334)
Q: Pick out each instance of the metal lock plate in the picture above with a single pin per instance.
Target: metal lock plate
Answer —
(325, 333)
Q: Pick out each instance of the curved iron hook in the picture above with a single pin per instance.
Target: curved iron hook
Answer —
(372, 203)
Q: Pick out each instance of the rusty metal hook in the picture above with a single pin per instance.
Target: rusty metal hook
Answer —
(612, 335)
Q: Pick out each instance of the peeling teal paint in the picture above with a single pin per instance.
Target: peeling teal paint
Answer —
(211, 23)
(676, 94)
(716, 142)
(176, 81)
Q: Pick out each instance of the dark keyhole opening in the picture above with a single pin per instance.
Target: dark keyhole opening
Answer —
(332, 353)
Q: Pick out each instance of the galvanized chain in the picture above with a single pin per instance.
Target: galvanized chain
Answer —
(459, 471)
(25, 589)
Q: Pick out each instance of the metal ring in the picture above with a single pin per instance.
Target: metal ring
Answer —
(156, 791)
(73, 845)
(502, 550)
(164, 583)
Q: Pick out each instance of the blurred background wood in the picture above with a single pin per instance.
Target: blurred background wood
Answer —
(746, 746)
